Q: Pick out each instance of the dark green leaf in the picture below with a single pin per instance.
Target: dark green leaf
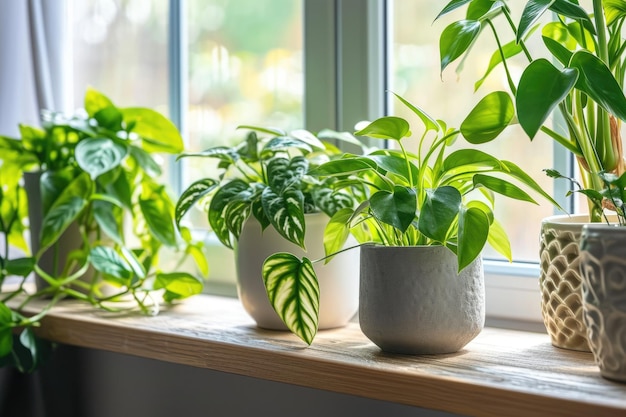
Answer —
(284, 143)
(541, 87)
(234, 190)
(293, 292)
(453, 5)
(52, 184)
(397, 208)
(145, 161)
(109, 118)
(396, 164)
(330, 201)
(597, 81)
(99, 155)
(472, 236)
(571, 9)
(222, 153)
(561, 53)
(456, 39)
(286, 213)
(108, 261)
(438, 212)
(158, 215)
(20, 266)
(488, 118)
(533, 11)
(192, 195)
(340, 167)
(503, 187)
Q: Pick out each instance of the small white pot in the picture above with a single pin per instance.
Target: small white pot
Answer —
(338, 280)
(413, 301)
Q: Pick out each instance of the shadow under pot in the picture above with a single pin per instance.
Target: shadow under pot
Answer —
(413, 300)
(338, 280)
(603, 268)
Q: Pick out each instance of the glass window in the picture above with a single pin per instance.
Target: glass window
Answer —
(415, 74)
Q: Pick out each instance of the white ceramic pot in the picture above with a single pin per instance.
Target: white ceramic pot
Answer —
(603, 269)
(560, 281)
(338, 280)
(413, 301)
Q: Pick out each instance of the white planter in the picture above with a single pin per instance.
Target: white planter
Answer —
(413, 301)
(338, 280)
(560, 281)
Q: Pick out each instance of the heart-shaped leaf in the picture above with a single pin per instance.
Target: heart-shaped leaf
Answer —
(158, 134)
(286, 213)
(395, 208)
(177, 285)
(99, 155)
(234, 190)
(158, 214)
(472, 235)
(294, 293)
(438, 212)
(192, 195)
(456, 39)
(109, 262)
(488, 118)
(388, 127)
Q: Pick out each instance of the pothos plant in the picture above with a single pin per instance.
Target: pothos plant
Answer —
(265, 176)
(97, 172)
(432, 196)
(581, 80)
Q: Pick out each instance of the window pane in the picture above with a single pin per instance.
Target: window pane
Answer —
(416, 75)
(120, 48)
(245, 68)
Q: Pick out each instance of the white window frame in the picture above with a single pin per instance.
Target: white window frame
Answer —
(346, 81)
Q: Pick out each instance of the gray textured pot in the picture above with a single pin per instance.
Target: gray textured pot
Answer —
(412, 300)
(603, 268)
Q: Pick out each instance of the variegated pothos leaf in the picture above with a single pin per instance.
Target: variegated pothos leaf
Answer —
(286, 213)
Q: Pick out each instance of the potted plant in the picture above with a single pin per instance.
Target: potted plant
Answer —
(261, 201)
(98, 216)
(580, 82)
(423, 221)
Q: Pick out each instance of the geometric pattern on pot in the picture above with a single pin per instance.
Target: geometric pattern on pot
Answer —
(603, 268)
(561, 285)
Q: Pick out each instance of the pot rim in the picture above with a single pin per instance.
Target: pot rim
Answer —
(574, 219)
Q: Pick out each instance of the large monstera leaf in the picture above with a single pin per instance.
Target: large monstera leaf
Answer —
(294, 293)
(286, 213)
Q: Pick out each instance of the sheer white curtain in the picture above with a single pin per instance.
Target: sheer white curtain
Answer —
(35, 65)
(35, 74)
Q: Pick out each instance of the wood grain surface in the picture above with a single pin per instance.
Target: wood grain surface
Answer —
(500, 373)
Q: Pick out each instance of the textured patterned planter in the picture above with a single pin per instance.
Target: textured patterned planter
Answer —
(338, 280)
(603, 267)
(413, 301)
(560, 281)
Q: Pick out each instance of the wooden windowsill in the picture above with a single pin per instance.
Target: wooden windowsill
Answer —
(500, 373)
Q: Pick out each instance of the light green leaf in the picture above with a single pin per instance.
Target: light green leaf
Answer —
(472, 235)
(6, 330)
(199, 258)
(499, 240)
(503, 187)
(429, 122)
(293, 292)
(469, 158)
(456, 39)
(541, 87)
(614, 10)
(488, 118)
(158, 134)
(145, 161)
(109, 262)
(96, 101)
(105, 215)
(388, 127)
(158, 215)
(178, 285)
(99, 155)
(133, 262)
(439, 211)
(509, 50)
(337, 231)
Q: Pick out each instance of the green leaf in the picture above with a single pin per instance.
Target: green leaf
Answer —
(286, 213)
(96, 101)
(236, 213)
(21, 267)
(52, 184)
(158, 215)
(294, 293)
(503, 187)
(109, 118)
(158, 134)
(469, 158)
(199, 258)
(222, 153)
(541, 87)
(99, 155)
(429, 122)
(499, 240)
(388, 127)
(472, 235)
(337, 231)
(145, 161)
(533, 11)
(330, 201)
(192, 195)
(105, 215)
(614, 10)
(178, 285)
(133, 262)
(65, 210)
(561, 53)
(308, 138)
(488, 118)
(274, 131)
(232, 191)
(285, 143)
(456, 39)
(396, 164)
(109, 262)
(453, 5)
(484, 9)
(439, 211)
(397, 208)
(341, 167)
(283, 173)
(597, 81)
(571, 9)
(518, 173)
(509, 50)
